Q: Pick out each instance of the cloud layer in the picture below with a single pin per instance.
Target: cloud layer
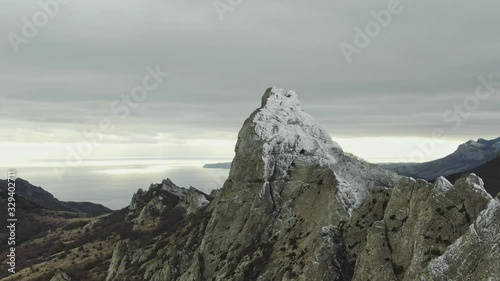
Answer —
(64, 80)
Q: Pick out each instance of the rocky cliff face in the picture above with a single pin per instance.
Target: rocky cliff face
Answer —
(295, 207)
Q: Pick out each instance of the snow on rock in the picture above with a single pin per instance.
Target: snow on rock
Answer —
(170, 187)
(442, 185)
(202, 201)
(326, 232)
(480, 242)
(477, 183)
(288, 133)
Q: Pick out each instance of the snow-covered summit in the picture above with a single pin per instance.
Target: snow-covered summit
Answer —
(289, 134)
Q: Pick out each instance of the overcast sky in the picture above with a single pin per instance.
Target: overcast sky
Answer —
(63, 81)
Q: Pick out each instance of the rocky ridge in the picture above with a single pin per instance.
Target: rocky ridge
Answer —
(295, 207)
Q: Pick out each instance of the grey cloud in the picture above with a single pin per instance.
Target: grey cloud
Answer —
(91, 53)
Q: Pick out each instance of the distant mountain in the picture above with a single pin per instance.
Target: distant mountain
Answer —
(46, 237)
(89, 208)
(28, 225)
(226, 165)
(489, 172)
(46, 200)
(468, 156)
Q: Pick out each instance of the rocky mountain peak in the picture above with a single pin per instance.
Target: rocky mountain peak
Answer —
(147, 207)
(279, 137)
(481, 148)
(288, 178)
(288, 133)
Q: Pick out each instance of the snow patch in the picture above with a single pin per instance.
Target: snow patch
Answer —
(202, 201)
(289, 134)
(477, 183)
(484, 231)
(327, 233)
(442, 185)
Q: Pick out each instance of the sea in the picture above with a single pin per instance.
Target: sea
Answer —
(112, 182)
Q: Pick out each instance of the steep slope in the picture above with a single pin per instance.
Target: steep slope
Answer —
(474, 256)
(489, 172)
(288, 181)
(46, 200)
(396, 234)
(46, 239)
(31, 221)
(38, 212)
(468, 156)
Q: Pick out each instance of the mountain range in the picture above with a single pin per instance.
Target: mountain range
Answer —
(468, 156)
(294, 207)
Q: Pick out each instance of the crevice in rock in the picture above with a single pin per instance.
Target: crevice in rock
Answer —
(396, 269)
(271, 192)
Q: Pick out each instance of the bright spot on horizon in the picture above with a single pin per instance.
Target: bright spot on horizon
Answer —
(372, 149)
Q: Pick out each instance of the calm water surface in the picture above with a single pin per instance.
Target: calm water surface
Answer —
(112, 182)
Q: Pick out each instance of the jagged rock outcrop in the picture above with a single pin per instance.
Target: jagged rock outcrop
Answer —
(146, 207)
(164, 209)
(288, 182)
(296, 207)
(474, 256)
(488, 172)
(402, 232)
